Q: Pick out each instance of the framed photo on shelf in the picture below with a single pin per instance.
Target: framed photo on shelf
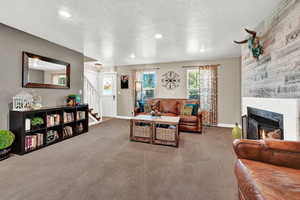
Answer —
(124, 81)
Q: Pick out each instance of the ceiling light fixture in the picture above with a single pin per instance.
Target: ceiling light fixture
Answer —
(65, 14)
(202, 49)
(158, 36)
(132, 56)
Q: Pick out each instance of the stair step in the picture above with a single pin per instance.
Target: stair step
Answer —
(95, 115)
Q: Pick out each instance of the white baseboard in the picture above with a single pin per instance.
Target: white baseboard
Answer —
(226, 125)
(94, 123)
(122, 117)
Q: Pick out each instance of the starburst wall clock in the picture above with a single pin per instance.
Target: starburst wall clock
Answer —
(170, 80)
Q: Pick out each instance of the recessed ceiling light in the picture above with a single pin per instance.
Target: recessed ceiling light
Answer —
(158, 36)
(65, 14)
(132, 56)
(202, 49)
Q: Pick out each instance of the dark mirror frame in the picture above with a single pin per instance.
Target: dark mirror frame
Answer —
(27, 84)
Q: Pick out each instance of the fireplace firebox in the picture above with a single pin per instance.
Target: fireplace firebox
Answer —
(262, 124)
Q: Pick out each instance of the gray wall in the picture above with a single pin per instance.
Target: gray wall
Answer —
(12, 43)
(229, 86)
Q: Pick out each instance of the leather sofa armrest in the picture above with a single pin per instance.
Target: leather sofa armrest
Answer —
(136, 110)
(199, 116)
(276, 152)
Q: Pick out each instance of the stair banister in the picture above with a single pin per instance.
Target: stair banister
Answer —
(92, 97)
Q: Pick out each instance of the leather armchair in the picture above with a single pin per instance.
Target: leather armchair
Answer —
(267, 169)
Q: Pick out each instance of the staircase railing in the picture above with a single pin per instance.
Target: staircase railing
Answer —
(92, 97)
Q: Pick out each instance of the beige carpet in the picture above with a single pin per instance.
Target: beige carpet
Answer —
(104, 165)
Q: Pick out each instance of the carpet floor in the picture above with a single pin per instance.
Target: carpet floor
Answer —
(104, 165)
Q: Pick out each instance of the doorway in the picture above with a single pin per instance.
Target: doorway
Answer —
(108, 93)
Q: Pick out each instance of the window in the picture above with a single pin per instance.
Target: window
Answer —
(59, 79)
(148, 85)
(107, 85)
(193, 84)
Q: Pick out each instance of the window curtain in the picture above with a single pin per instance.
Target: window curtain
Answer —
(208, 76)
(136, 82)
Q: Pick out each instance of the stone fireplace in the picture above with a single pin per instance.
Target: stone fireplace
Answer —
(263, 124)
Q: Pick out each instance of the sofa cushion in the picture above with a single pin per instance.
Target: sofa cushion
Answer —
(258, 180)
(169, 114)
(188, 119)
(162, 114)
(168, 106)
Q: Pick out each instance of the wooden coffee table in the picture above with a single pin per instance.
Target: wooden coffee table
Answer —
(155, 130)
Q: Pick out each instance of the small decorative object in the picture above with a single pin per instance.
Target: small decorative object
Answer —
(22, 101)
(51, 136)
(170, 80)
(6, 140)
(73, 99)
(253, 44)
(155, 113)
(124, 81)
(37, 122)
(236, 132)
(36, 102)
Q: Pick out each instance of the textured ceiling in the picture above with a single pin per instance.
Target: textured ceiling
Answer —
(112, 31)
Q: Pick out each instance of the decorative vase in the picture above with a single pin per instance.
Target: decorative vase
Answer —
(236, 132)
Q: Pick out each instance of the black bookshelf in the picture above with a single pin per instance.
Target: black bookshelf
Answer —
(17, 125)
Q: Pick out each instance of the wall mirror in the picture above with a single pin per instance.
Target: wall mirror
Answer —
(43, 72)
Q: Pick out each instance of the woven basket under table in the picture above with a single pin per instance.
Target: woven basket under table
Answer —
(142, 131)
(166, 134)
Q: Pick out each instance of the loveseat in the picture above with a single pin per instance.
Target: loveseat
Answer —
(172, 107)
(267, 169)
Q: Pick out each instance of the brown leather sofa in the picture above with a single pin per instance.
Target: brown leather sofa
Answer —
(171, 107)
(268, 169)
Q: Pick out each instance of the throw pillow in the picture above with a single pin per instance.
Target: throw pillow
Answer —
(168, 106)
(154, 105)
(195, 108)
(141, 106)
(147, 108)
(186, 110)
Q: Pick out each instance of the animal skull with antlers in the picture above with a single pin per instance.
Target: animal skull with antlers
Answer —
(253, 44)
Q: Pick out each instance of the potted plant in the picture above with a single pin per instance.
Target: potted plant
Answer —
(37, 122)
(6, 140)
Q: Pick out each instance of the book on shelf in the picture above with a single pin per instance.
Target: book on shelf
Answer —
(67, 132)
(27, 124)
(80, 115)
(79, 128)
(68, 117)
(34, 141)
(53, 120)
